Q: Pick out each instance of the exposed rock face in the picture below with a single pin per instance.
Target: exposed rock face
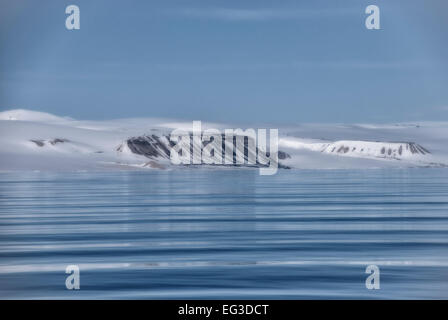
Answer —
(392, 150)
(41, 143)
(283, 155)
(154, 147)
(57, 140)
(149, 146)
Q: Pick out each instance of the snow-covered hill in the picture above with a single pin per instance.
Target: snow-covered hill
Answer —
(31, 140)
(364, 149)
(29, 115)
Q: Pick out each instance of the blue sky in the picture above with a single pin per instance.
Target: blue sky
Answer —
(261, 61)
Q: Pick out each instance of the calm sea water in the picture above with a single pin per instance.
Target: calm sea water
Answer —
(201, 233)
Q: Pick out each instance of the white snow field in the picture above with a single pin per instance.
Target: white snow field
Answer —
(31, 140)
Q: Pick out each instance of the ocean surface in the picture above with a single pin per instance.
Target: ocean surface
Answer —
(226, 233)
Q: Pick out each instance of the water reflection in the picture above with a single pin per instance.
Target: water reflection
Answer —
(202, 233)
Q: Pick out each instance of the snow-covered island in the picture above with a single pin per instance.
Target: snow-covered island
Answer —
(31, 140)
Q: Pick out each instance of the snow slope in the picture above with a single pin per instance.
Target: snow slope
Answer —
(31, 140)
(28, 115)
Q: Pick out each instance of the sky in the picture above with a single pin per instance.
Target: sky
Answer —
(242, 61)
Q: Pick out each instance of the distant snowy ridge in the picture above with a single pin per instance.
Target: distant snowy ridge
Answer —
(362, 149)
(28, 115)
(377, 149)
(159, 148)
(31, 140)
(63, 145)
